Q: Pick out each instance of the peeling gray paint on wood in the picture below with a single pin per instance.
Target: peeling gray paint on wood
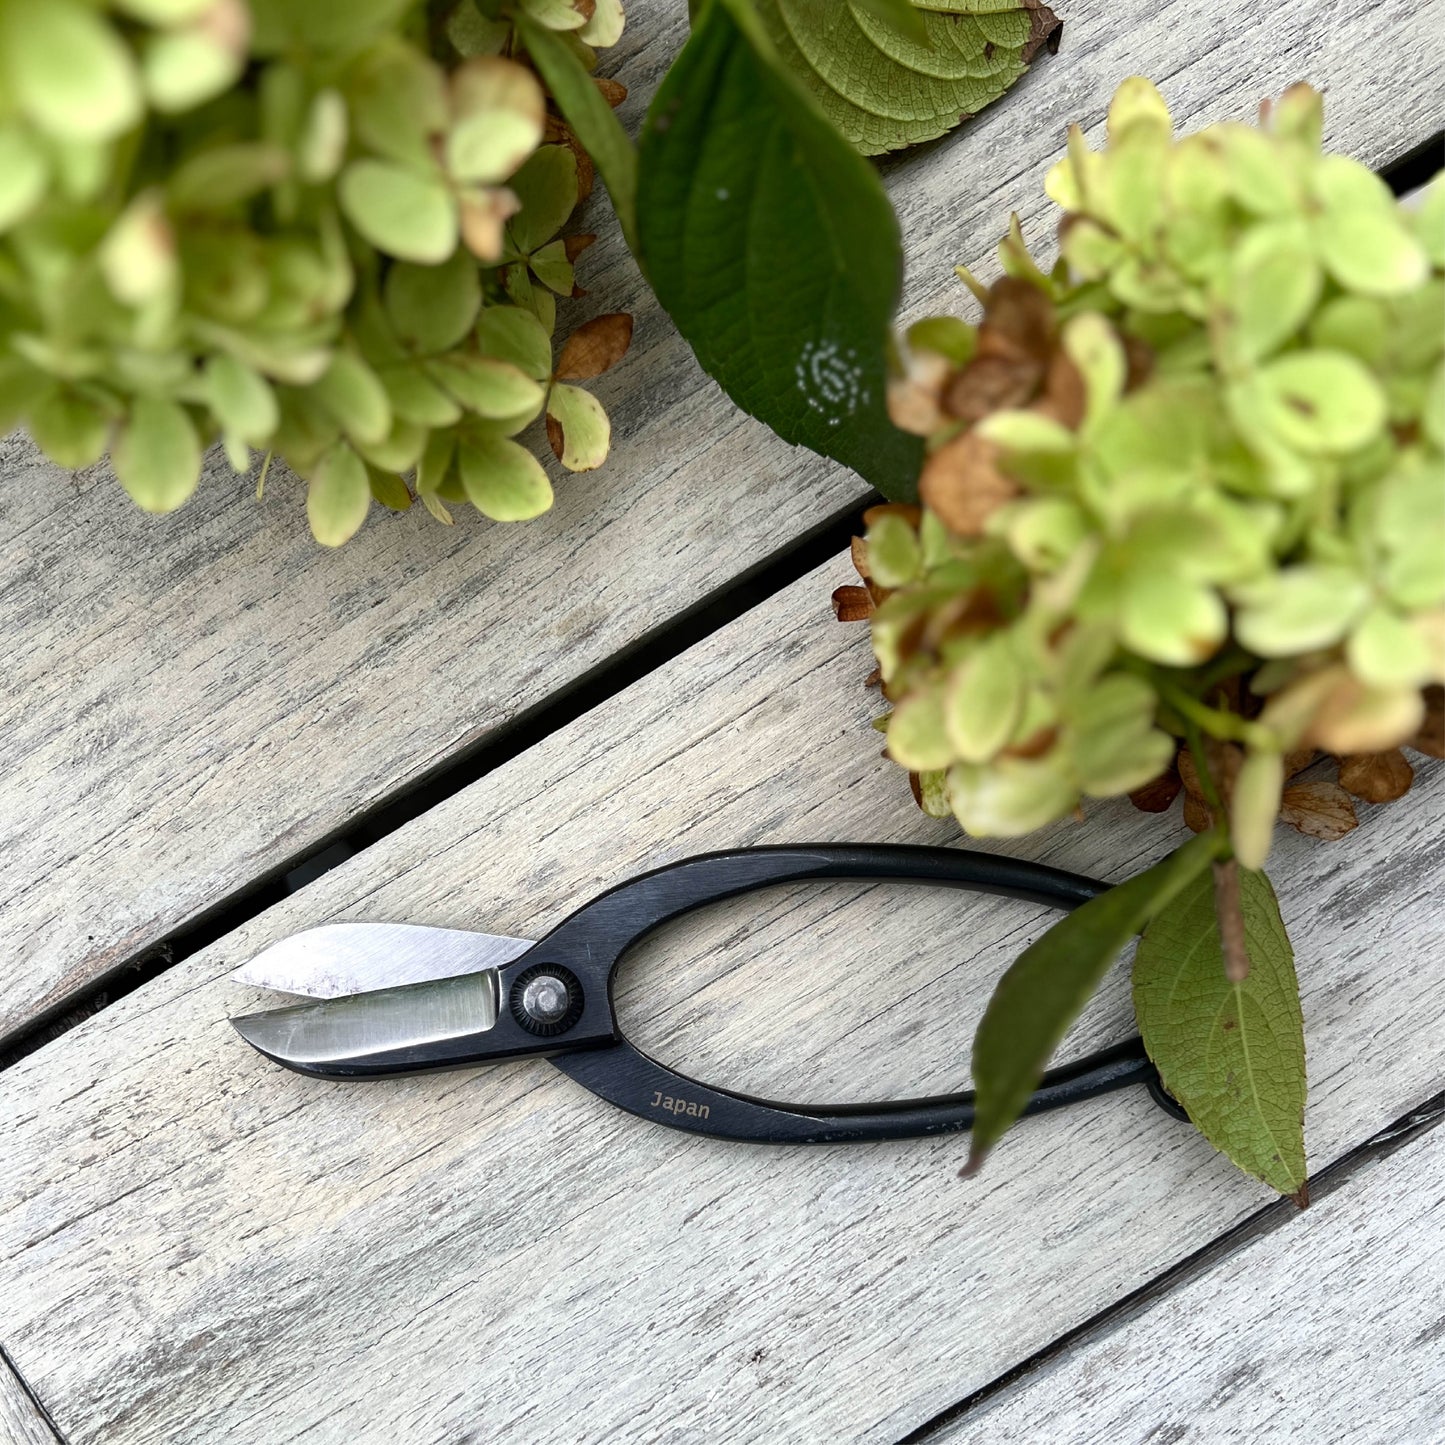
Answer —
(197, 1245)
(1329, 1327)
(192, 701)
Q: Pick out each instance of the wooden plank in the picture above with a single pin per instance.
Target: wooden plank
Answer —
(193, 701)
(1327, 1328)
(21, 1422)
(193, 1242)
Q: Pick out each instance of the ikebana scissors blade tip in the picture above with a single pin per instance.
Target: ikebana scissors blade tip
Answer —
(341, 959)
(350, 1030)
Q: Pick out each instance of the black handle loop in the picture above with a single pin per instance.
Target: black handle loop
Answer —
(590, 945)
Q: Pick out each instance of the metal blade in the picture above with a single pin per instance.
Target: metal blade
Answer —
(371, 1023)
(353, 958)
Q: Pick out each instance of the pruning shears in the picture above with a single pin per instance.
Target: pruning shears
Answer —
(390, 999)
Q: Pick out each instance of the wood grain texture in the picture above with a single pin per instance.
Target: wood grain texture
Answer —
(196, 1246)
(193, 701)
(20, 1422)
(1327, 1328)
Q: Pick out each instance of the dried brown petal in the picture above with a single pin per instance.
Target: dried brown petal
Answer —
(1318, 810)
(858, 551)
(557, 132)
(873, 678)
(1196, 814)
(1430, 740)
(1033, 746)
(576, 245)
(1377, 777)
(1298, 760)
(852, 604)
(555, 436)
(613, 91)
(916, 787)
(484, 214)
(594, 346)
(1139, 360)
(904, 510)
(1064, 396)
(1224, 763)
(1352, 718)
(976, 610)
(1156, 797)
(915, 398)
(1018, 323)
(989, 384)
(962, 485)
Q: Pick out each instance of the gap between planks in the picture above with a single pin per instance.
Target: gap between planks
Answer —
(1339, 1174)
(531, 726)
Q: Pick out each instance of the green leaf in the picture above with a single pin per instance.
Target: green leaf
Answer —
(898, 15)
(773, 246)
(1046, 987)
(68, 427)
(547, 188)
(883, 88)
(589, 115)
(397, 101)
(493, 389)
(354, 396)
(304, 25)
(181, 69)
(503, 480)
(338, 496)
(1233, 1054)
(418, 398)
(241, 399)
(67, 69)
(1319, 401)
(23, 175)
(433, 307)
(578, 428)
(406, 215)
(510, 333)
(157, 456)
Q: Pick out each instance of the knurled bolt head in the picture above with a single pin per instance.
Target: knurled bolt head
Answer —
(546, 999)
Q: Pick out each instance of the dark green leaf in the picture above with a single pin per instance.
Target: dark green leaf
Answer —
(883, 88)
(1044, 990)
(588, 114)
(897, 15)
(1232, 1053)
(774, 248)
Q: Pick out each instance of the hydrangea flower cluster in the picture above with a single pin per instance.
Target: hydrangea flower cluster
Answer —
(1187, 485)
(324, 232)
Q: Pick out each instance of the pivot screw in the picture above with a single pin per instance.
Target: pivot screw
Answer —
(546, 999)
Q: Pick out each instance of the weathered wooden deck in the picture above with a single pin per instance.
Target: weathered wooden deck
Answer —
(197, 1247)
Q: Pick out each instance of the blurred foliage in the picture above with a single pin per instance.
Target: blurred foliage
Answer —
(1188, 484)
(321, 232)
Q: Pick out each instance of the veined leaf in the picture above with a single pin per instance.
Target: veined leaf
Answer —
(885, 87)
(773, 246)
(1054, 977)
(1233, 1054)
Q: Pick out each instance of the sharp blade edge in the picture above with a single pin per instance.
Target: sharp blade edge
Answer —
(371, 1023)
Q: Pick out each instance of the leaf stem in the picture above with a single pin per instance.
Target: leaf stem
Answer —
(1227, 727)
(1229, 910)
